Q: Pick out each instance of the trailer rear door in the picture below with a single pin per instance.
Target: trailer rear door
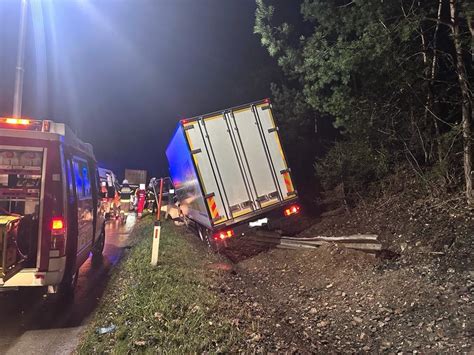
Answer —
(240, 162)
(271, 142)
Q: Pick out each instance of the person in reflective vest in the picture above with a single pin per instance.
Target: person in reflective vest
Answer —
(125, 193)
(141, 197)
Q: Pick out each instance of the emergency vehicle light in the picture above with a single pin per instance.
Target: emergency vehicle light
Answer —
(19, 121)
(20, 124)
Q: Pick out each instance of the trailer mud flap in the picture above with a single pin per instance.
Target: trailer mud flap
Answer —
(11, 260)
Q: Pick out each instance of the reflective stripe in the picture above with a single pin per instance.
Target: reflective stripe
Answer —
(288, 183)
(212, 207)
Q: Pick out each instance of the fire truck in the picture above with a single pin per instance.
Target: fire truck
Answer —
(49, 205)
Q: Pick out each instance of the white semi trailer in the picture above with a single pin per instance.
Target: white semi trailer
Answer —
(230, 172)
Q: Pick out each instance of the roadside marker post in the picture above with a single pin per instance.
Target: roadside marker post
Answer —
(157, 229)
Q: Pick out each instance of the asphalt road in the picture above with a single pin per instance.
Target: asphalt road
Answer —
(33, 324)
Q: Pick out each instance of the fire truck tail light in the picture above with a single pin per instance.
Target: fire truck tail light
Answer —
(294, 209)
(58, 234)
(222, 235)
(58, 227)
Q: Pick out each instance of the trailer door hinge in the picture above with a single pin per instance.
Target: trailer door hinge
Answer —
(188, 127)
(196, 151)
(273, 129)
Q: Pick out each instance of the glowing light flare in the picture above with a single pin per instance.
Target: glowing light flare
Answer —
(17, 121)
(294, 209)
(57, 225)
(222, 235)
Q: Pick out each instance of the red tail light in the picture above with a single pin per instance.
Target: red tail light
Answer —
(57, 225)
(58, 234)
(294, 209)
(222, 235)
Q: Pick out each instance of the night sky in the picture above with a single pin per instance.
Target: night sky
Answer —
(121, 73)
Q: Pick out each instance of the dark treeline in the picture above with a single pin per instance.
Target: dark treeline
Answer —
(371, 85)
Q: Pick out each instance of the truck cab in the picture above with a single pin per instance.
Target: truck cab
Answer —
(49, 205)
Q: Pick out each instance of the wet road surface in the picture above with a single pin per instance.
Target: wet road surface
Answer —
(33, 324)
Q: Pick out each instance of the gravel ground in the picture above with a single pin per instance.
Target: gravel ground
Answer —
(420, 299)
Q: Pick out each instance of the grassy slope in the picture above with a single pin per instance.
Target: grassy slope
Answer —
(169, 308)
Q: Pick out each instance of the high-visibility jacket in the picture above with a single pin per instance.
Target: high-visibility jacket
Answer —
(125, 193)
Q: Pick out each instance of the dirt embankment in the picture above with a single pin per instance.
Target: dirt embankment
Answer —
(332, 299)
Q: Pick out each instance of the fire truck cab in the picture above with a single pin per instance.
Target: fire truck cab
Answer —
(49, 205)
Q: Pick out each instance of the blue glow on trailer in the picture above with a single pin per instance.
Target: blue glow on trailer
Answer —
(179, 157)
(183, 174)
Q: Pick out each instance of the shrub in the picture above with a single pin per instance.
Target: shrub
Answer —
(355, 164)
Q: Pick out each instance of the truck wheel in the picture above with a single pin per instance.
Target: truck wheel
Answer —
(98, 248)
(201, 234)
(205, 236)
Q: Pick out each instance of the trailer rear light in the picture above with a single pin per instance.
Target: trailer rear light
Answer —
(267, 101)
(294, 209)
(222, 235)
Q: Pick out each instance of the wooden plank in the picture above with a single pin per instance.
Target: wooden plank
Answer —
(350, 237)
(306, 243)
